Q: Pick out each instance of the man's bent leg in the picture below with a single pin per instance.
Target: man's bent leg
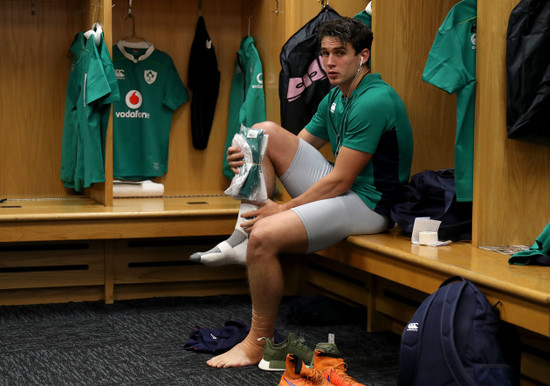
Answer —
(281, 145)
(282, 232)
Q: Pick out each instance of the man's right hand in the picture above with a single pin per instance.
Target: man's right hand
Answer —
(235, 158)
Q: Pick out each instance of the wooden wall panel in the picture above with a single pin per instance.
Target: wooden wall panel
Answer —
(34, 69)
(305, 10)
(403, 36)
(267, 28)
(512, 178)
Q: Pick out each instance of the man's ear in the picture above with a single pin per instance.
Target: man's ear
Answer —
(365, 54)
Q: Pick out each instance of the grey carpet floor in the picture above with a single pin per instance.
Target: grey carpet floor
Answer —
(140, 342)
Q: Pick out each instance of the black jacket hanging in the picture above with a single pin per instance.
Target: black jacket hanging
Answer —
(303, 81)
(204, 83)
(528, 72)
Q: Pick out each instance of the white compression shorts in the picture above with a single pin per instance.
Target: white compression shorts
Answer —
(330, 220)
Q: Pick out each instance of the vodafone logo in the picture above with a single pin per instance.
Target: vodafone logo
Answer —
(134, 99)
(260, 80)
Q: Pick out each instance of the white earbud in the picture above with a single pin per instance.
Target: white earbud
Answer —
(361, 62)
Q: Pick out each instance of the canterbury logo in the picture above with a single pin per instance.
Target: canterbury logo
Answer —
(412, 327)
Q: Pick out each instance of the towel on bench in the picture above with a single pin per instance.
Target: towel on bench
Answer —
(538, 254)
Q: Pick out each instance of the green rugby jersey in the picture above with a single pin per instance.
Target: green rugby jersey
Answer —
(451, 66)
(372, 120)
(246, 97)
(365, 18)
(90, 90)
(151, 90)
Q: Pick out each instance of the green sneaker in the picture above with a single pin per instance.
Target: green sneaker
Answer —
(328, 347)
(275, 353)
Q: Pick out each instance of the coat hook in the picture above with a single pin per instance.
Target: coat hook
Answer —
(250, 17)
(276, 10)
(96, 12)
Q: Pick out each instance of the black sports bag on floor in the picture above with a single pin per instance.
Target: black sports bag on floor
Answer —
(456, 337)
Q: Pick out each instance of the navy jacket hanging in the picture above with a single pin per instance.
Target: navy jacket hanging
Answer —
(528, 72)
(303, 81)
(204, 83)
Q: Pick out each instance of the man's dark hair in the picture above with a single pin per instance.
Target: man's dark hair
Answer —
(347, 30)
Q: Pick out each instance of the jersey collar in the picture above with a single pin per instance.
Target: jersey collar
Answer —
(123, 44)
(365, 84)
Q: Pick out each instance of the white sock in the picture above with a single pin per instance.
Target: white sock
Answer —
(230, 251)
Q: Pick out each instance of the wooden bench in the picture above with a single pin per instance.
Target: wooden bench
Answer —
(75, 249)
(84, 219)
(391, 276)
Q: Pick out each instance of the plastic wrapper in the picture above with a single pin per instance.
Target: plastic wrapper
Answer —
(249, 183)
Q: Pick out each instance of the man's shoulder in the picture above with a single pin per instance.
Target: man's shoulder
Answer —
(376, 93)
(381, 98)
(374, 84)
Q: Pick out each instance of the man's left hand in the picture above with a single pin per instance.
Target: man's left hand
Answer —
(265, 210)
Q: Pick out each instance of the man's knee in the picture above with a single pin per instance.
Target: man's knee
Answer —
(268, 127)
(261, 242)
(281, 146)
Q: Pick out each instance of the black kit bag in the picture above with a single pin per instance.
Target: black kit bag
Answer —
(528, 72)
(456, 337)
(303, 82)
(432, 194)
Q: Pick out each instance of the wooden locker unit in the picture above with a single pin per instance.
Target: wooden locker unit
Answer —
(35, 73)
(170, 27)
(41, 209)
(35, 69)
(511, 178)
(63, 246)
(403, 37)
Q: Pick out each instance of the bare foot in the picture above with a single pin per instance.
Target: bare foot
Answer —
(236, 357)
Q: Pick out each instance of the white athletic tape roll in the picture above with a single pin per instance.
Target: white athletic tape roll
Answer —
(427, 238)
